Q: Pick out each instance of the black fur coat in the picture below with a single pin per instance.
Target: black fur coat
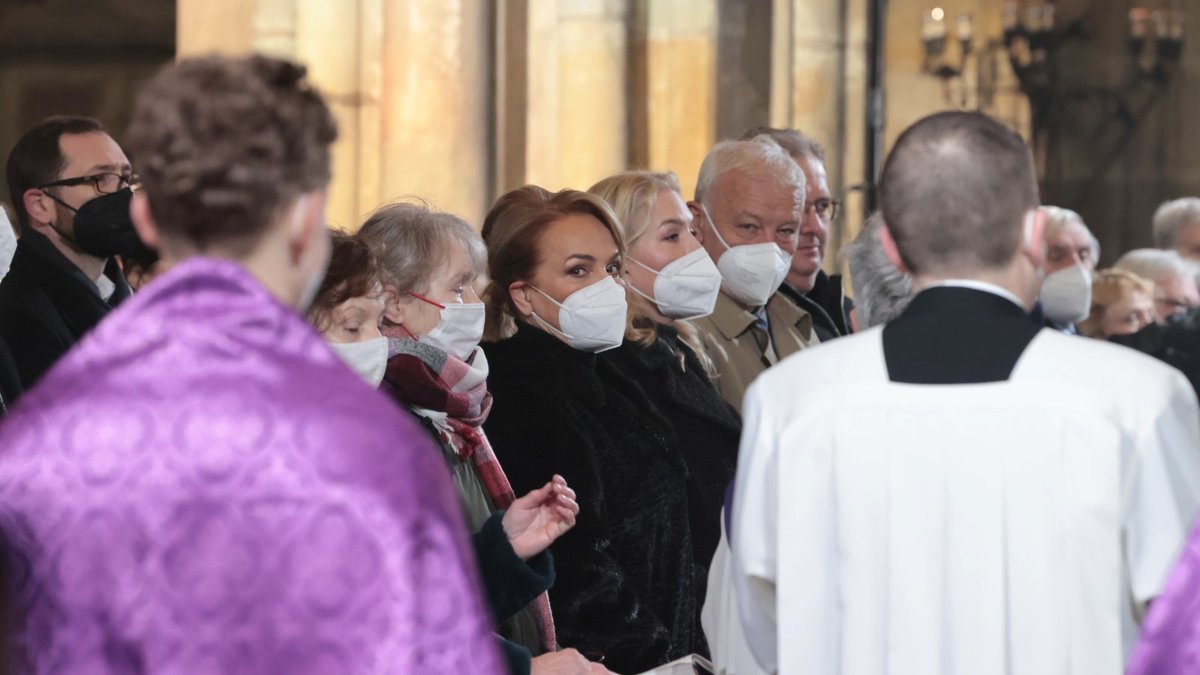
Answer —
(626, 573)
(705, 428)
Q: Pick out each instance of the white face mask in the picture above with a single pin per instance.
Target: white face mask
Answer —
(751, 273)
(8, 243)
(1067, 295)
(367, 358)
(459, 330)
(686, 288)
(592, 318)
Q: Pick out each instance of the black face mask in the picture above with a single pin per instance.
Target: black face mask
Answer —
(103, 228)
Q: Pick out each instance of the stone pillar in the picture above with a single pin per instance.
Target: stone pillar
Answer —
(407, 80)
(673, 73)
(562, 94)
(435, 118)
(818, 86)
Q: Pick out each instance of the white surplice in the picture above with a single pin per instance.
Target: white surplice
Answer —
(985, 529)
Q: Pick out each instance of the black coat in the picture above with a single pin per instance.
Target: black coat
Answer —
(510, 583)
(47, 304)
(706, 428)
(626, 586)
(827, 303)
(10, 382)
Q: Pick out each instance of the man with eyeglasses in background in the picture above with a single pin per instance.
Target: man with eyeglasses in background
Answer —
(807, 285)
(64, 277)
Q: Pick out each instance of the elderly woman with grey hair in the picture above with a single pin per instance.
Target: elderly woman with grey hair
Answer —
(433, 321)
(881, 291)
(1177, 227)
(1174, 277)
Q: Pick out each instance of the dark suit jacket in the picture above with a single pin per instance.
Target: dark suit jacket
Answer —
(47, 304)
(10, 382)
(954, 335)
(826, 303)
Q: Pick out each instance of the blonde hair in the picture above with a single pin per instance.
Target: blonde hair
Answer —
(633, 196)
(513, 230)
(1108, 288)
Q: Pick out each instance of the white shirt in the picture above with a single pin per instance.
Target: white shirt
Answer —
(984, 286)
(105, 287)
(993, 529)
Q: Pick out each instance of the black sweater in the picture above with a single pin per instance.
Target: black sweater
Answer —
(626, 575)
(706, 428)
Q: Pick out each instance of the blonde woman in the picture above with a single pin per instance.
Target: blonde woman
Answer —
(670, 279)
(1122, 304)
(627, 586)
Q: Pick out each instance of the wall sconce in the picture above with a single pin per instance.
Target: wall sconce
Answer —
(934, 32)
(1156, 41)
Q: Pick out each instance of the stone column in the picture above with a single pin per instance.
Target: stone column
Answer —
(408, 81)
(561, 92)
(673, 80)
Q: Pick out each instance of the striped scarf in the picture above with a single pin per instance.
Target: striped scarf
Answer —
(453, 395)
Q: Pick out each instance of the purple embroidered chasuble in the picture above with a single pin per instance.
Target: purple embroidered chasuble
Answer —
(201, 486)
(1170, 638)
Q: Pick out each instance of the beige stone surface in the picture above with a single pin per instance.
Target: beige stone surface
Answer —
(455, 101)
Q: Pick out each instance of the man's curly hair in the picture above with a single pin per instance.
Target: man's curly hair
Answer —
(223, 145)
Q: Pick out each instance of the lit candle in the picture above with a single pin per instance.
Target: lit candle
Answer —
(1048, 17)
(1009, 15)
(1159, 18)
(1137, 23)
(1177, 22)
(934, 26)
(964, 27)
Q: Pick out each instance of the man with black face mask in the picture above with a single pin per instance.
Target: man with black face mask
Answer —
(70, 185)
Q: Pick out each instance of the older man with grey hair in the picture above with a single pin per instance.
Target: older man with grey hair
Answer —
(807, 285)
(1177, 226)
(1174, 278)
(881, 290)
(748, 207)
(1068, 240)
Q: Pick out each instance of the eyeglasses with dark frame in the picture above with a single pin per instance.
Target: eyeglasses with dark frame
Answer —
(104, 183)
(826, 209)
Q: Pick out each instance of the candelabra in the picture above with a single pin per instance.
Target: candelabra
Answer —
(1033, 34)
(1155, 41)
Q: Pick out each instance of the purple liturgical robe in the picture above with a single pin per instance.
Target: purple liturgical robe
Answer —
(1170, 640)
(201, 486)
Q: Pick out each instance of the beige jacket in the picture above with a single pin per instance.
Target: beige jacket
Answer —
(739, 348)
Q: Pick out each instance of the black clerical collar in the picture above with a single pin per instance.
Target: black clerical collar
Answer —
(957, 334)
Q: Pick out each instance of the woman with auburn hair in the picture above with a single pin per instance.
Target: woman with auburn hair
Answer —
(672, 279)
(627, 581)
(1122, 304)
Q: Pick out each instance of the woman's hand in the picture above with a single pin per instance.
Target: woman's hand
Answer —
(566, 662)
(536, 520)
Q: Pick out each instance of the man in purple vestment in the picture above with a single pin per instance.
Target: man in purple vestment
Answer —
(201, 485)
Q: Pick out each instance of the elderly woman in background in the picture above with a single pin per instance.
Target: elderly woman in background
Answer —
(627, 587)
(672, 279)
(511, 534)
(1122, 303)
(1173, 276)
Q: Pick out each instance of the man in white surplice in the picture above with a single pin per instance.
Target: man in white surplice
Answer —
(960, 492)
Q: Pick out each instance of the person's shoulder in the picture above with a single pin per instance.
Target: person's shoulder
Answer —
(1086, 361)
(850, 358)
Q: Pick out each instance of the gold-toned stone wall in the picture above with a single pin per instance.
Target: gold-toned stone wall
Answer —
(455, 101)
